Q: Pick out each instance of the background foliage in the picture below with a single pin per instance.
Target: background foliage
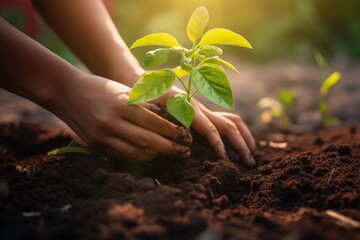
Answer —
(277, 29)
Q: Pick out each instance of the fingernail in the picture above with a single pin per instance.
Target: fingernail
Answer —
(251, 161)
(225, 156)
(188, 138)
(187, 154)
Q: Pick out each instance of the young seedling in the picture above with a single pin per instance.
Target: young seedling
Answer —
(65, 150)
(277, 109)
(330, 82)
(199, 68)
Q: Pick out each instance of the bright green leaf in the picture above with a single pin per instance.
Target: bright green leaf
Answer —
(211, 50)
(330, 82)
(197, 23)
(214, 60)
(151, 85)
(211, 81)
(218, 60)
(180, 72)
(156, 57)
(224, 36)
(229, 65)
(286, 97)
(66, 150)
(161, 39)
(180, 108)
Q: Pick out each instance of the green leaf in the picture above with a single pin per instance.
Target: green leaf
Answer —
(286, 97)
(197, 23)
(151, 85)
(229, 65)
(211, 50)
(330, 82)
(180, 72)
(161, 39)
(180, 108)
(156, 57)
(66, 150)
(224, 36)
(211, 81)
(218, 60)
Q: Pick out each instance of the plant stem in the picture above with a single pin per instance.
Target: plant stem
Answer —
(183, 84)
(188, 92)
(192, 95)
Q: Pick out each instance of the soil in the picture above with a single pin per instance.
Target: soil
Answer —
(303, 187)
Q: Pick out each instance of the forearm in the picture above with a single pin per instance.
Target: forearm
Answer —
(86, 27)
(30, 70)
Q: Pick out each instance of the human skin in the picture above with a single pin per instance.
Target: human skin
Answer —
(86, 27)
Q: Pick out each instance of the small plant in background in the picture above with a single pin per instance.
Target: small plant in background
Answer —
(199, 68)
(320, 60)
(277, 108)
(330, 82)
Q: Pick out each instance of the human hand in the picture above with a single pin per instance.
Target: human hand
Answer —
(96, 109)
(215, 125)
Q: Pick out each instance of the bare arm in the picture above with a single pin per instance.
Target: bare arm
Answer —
(94, 107)
(87, 28)
(30, 70)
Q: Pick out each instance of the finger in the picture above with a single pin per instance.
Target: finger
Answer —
(121, 149)
(154, 123)
(205, 127)
(227, 128)
(244, 130)
(146, 139)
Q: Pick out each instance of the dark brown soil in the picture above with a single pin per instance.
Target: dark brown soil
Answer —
(301, 189)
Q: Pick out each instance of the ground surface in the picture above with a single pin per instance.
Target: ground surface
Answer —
(304, 187)
(297, 191)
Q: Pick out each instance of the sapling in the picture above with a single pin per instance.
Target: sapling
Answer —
(199, 70)
(331, 81)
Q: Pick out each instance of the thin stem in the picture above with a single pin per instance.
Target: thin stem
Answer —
(193, 94)
(182, 83)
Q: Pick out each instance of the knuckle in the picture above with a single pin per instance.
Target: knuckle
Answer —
(230, 128)
(103, 123)
(210, 129)
(238, 119)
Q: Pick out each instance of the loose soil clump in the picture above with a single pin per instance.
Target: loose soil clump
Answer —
(303, 187)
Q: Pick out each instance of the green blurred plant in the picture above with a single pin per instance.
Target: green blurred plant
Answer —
(277, 108)
(331, 81)
(71, 149)
(201, 65)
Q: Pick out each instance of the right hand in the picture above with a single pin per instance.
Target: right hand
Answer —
(96, 109)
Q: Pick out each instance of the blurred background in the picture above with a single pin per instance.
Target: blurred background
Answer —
(284, 34)
(276, 28)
